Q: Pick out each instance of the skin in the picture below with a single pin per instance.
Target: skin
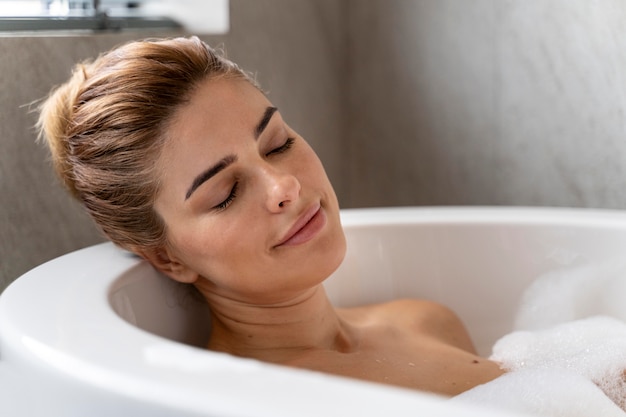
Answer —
(236, 182)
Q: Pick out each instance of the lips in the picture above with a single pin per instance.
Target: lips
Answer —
(305, 228)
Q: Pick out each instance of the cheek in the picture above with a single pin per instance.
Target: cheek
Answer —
(209, 247)
(309, 166)
(192, 243)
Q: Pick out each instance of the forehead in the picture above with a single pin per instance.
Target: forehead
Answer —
(218, 113)
(219, 118)
(218, 107)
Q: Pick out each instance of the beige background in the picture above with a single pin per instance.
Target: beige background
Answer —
(431, 102)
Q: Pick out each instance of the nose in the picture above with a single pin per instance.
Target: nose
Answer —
(282, 190)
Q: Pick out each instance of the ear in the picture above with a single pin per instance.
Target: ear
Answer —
(163, 260)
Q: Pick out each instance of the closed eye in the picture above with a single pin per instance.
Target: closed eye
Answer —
(283, 148)
(224, 204)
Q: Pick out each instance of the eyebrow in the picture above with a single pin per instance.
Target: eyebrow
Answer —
(210, 173)
(265, 120)
(228, 160)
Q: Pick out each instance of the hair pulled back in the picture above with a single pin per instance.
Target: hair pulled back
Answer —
(106, 126)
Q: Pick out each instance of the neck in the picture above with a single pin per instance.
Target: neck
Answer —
(276, 332)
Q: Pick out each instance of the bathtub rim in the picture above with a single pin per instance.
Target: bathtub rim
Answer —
(522, 215)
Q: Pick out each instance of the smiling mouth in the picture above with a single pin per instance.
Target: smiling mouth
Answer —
(305, 228)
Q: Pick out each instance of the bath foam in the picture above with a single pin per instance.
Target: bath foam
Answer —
(543, 392)
(594, 348)
(572, 369)
(573, 293)
(568, 354)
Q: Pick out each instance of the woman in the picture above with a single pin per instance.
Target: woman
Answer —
(181, 159)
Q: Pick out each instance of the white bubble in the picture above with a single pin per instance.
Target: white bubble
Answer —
(573, 293)
(544, 392)
(568, 354)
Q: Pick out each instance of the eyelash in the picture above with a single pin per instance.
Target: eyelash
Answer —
(233, 192)
(224, 204)
(288, 144)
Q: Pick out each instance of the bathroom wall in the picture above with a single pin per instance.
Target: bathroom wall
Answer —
(516, 102)
(296, 48)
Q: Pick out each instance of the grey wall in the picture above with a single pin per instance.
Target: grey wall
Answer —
(504, 102)
(408, 102)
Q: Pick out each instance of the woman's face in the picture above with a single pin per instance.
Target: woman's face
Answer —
(249, 211)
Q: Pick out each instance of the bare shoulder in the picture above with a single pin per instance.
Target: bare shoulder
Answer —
(423, 317)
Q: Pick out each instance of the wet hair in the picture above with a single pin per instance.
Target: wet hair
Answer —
(106, 127)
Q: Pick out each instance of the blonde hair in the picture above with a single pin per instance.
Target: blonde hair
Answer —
(105, 128)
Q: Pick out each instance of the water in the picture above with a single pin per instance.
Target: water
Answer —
(567, 355)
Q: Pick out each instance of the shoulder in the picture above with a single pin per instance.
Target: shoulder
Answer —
(405, 309)
(423, 313)
(441, 323)
(417, 308)
(426, 318)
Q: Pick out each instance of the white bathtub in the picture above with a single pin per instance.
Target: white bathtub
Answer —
(98, 333)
